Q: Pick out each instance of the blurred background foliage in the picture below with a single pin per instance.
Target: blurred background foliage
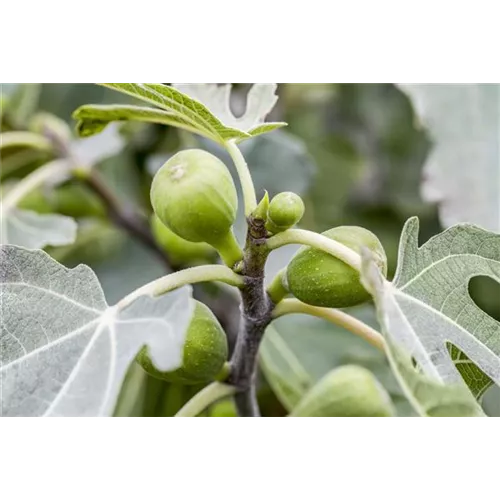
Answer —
(354, 153)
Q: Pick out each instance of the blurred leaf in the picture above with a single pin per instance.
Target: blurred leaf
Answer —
(21, 162)
(299, 350)
(93, 150)
(23, 100)
(132, 393)
(32, 230)
(96, 241)
(462, 173)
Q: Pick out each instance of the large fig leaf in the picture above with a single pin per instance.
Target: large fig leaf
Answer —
(64, 351)
(199, 108)
(462, 173)
(427, 313)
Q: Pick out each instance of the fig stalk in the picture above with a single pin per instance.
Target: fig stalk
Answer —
(203, 399)
(249, 197)
(362, 330)
(318, 241)
(199, 274)
(278, 290)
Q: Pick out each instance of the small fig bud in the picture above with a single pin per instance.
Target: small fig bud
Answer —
(179, 250)
(193, 194)
(204, 355)
(348, 391)
(320, 279)
(285, 210)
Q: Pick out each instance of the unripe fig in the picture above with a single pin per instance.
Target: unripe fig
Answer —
(179, 250)
(320, 279)
(348, 391)
(194, 195)
(204, 355)
(285, 210)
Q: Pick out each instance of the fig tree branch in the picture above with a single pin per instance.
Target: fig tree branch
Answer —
(256, 314)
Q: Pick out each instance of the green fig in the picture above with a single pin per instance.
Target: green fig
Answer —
(205, 351)
(193, 194)
(179, 250)
(285, 210)
(320, 279)
(348, 391)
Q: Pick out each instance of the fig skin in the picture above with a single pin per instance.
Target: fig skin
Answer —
(204, 355)
(348, 391)
(179, 250)
(320, 279)
(194, 195)
(285, 210)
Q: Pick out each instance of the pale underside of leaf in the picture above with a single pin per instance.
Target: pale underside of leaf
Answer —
(428, 306)
(190, 113)
(64, 352)
(462, 173)
(32, 230)
(90, 151)
(261, 100)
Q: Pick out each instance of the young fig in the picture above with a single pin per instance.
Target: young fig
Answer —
(320, 279)
(285, 210)
(348, 391)
(179, 250)
(193, 194)
(204, 355)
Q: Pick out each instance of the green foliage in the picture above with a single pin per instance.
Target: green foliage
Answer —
(354, 154)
